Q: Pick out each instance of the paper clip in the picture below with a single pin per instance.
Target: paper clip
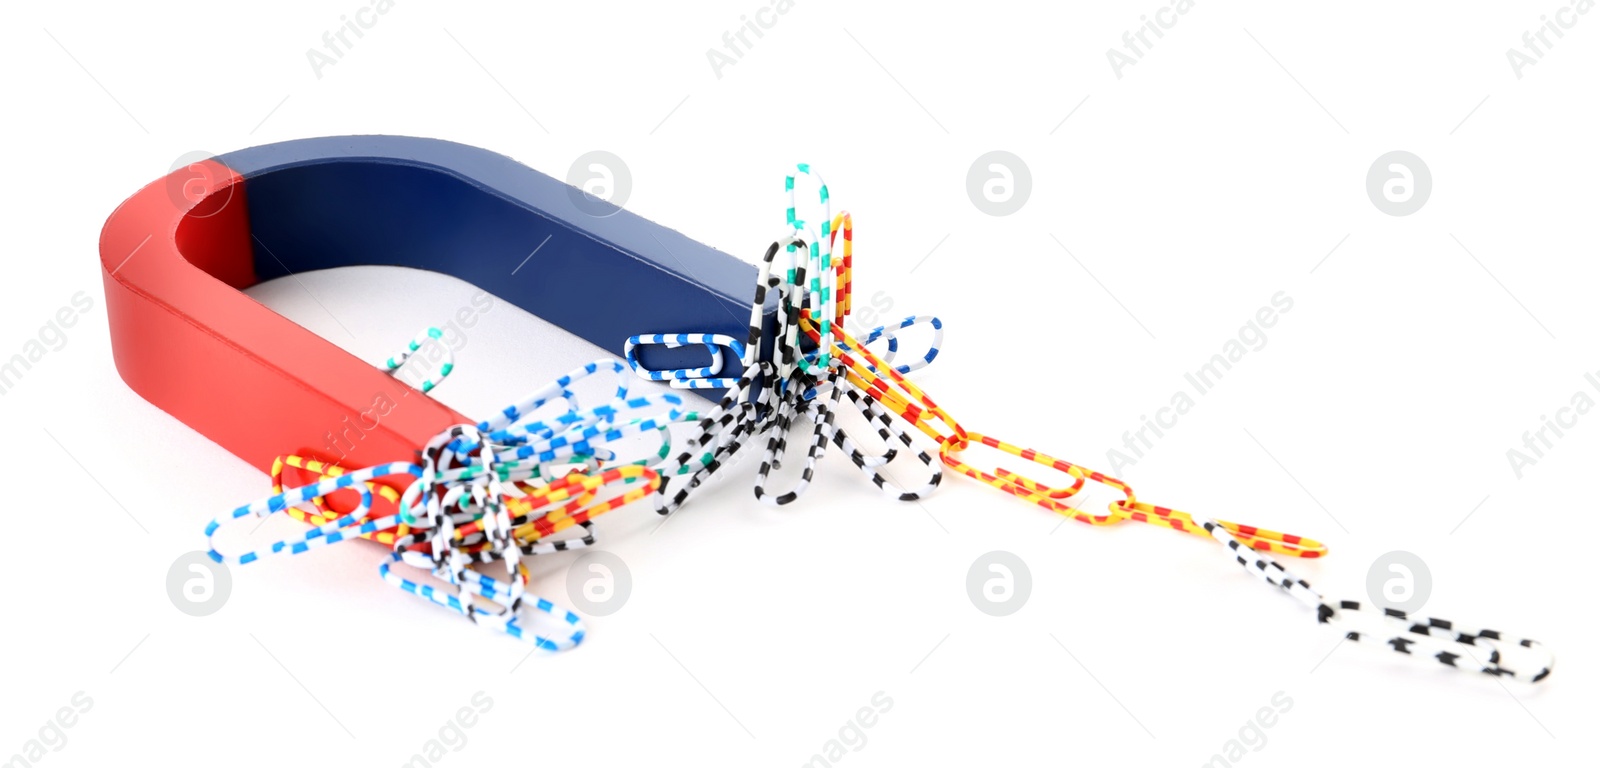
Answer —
(891, 333)
(322, 535)
(323, 513)
(689, 378)
(394, 364)
(821, 264)
(1452, 645)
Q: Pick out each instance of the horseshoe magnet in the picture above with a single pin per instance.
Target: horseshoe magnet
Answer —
(176, 255)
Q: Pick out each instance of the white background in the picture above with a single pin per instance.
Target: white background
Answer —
(1227, 165)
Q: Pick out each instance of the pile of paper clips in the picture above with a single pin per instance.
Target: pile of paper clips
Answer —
(492, 494)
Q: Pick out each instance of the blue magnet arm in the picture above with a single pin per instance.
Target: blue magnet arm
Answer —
(596, 270)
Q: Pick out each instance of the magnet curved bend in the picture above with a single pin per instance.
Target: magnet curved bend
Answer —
(175, 256)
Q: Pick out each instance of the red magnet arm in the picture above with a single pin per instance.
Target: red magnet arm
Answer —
(187, 339)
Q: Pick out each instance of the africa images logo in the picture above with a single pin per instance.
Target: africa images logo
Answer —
(1549, 32)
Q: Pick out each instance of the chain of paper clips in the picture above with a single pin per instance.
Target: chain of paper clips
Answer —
(811, 382)
(500, 491)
